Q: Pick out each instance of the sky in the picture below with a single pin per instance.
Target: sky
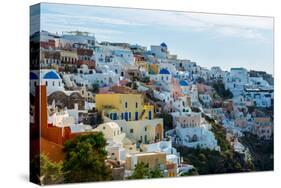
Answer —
(208, 39)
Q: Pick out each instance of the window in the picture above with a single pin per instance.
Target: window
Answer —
(136, 115)
(126, 116)
(59, 83)
(103, 128)
(53, 83)
(149, 115)
(145, 129)
(46, 83)
(131, 130)
(126, 105)
(136, 105)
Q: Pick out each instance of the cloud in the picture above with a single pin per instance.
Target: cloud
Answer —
(244, 27)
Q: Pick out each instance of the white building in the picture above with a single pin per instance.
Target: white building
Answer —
(206, 99)
(106, 54)
(87, 77)
(115, 140)
(236, 80)
(192, 131)
(47, 77)
(164, 76)
(163, 146)
(216, 73)
(160, 51)
(79, 37)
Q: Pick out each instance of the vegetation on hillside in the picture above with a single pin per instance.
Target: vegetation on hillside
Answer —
(142, 171)
(261, 152)
(221, 91)
(85, 159)
(208, 161)
(167, 120)
(45, 172)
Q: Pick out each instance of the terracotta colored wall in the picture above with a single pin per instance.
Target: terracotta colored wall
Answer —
(52, 150)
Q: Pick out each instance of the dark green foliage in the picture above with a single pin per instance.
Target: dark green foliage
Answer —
(213, 162)
(95, 88)
(134, 86)
(220, 134)
(210, 161)
(167, 120)
(142, 171)
(85, 159)
(156, 173)
(145, 79)
(50, 172)
(261, 151)
(200, 80)
(192, 172)
(222, 92)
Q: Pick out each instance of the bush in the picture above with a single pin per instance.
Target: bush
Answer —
(85, 159)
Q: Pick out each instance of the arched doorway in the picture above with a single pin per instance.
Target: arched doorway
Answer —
(159, 132)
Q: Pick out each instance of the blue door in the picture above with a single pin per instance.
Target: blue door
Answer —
(136, 116)
(115, 116)
(149, 115)
(126, 116)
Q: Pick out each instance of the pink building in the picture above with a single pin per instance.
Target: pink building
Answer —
(189, 120)
(263, 127)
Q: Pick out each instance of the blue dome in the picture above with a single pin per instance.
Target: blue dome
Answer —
(51, 75)
(183, 83)
(33, 76)
(164, 71)
(163, 45)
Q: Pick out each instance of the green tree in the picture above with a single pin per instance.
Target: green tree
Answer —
(222, 92)
(191, 172)
(141, 171)
(167, 120)
(156, 173)
(95, 88)
(85, 159)
(50, 172)
(134, 86)
(146, 79)
(66, 68)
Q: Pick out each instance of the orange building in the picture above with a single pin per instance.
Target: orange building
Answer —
(52, 138)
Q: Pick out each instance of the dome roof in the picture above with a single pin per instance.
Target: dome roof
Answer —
(183, 83)
(163, 44)
(33, 76)
(51, 75)
(164, 71)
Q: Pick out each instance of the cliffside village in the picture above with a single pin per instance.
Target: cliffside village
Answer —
(128, 91)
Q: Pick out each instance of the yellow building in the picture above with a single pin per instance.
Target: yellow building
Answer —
(129, 107)
(135, 118)
(153, 159)
(152, 68)
(68, 56)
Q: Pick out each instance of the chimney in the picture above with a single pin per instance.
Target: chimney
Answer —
(41, 114)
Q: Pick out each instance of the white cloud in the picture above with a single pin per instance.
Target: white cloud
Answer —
(245, 27)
